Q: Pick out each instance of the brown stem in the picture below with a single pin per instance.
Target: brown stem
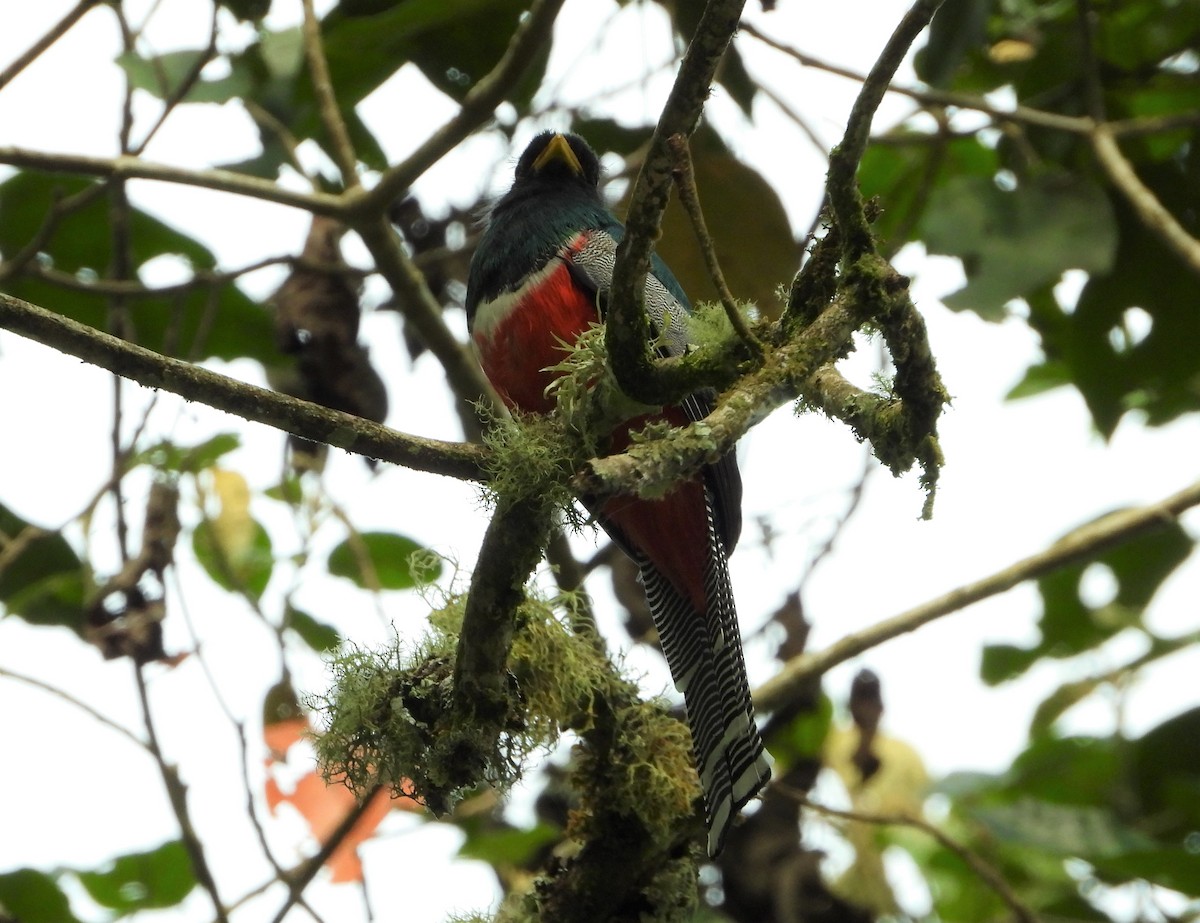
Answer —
(312, 421)
(1112, 530)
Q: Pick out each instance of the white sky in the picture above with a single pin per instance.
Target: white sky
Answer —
(1018, 475)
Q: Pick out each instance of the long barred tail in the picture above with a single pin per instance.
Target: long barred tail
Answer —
(704, 652)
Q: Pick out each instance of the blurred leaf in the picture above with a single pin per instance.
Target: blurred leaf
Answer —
(1069, 625)
(1164, 770)
(232, 546)
(507, 846)
(902, 173)
(1064, 770)
(802, 738)
(281, 706)
(733, 76)
(1067, 695)
(163, 75)
(1065, 830)
(150, 880)
(167, 456)
(1011, 242)
(250, 573)
(44, 583)
(29, 896)
(317, 635)
(247, 9)
(1157, 371)
(223, 324)
(958, 25)
(756, 256)
(1172, 868)
(1039, 379)
(606, 135)
(388, 554)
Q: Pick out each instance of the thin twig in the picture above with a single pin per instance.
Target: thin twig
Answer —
(477, 106)
(1026, 115)
(177, 794)
(302, 876)
(1112, 530)
(129, 167)
(77, 703)
(55, 32)
(844, 198)
(689, 198)
(327, 105)
(983, 871)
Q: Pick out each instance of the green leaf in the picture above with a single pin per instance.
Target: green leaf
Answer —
(1069, 625)
(512, 846)
(1039, 379)
(957, 27)
(387, 554)
(317, 635)
(1012, 242)
(803, 737)
(1065, 830)
(1156, 374)
(200, 324)
(1164, 770)
(245, 570)
(756, 256)
(44, 583)
(29, 896)
(156, 879)
(163, 75)
(1171, 868)
(1065, 770)
(167, 456)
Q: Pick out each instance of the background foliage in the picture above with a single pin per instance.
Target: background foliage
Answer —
(1000, 162)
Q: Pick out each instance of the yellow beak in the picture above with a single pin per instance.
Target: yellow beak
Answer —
(558, 149)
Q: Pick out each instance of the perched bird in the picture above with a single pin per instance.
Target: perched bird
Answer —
(539, 278)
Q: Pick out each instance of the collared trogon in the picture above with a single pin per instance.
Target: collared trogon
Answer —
(539, 278)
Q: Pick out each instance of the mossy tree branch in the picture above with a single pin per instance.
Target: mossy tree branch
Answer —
(628, 333)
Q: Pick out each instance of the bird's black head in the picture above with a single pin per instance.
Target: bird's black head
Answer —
(555, 158)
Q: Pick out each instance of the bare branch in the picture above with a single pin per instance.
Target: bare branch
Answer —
(1150, 211)
(477, 106)
(302, 418)
(130, 167)
(327, 105)
(983, 871)
(1112, 530)
(77, 703)
(177, 795)
(689, 197)
(842, 185)
(55, 32)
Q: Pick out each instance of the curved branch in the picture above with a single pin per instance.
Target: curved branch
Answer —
(130, 167)
(842, 186)
(1150, 211)
(982, 870)
(55, 32)
(627, 331)
(302, 418)
(477, 106)
(1112, 530)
